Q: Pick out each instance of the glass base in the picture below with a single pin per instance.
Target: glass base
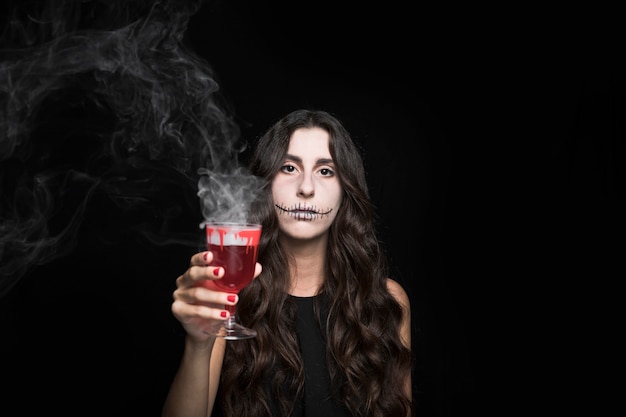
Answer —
(236, 332)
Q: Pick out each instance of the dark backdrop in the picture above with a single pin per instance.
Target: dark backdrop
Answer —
(494, 151)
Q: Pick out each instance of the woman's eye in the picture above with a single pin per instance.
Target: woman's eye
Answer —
(326, 172)
(288, 168)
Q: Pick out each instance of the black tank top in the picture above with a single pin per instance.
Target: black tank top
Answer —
(317, 401)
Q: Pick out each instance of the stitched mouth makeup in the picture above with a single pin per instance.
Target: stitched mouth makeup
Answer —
(303, 212)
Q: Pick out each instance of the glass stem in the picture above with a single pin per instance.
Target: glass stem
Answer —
(232, 319)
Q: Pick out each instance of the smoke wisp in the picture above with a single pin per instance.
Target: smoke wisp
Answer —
(105, 98)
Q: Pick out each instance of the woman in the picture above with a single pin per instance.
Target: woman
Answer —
(333, 330)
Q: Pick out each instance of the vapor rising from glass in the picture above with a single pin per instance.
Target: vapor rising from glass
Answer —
(106, 98)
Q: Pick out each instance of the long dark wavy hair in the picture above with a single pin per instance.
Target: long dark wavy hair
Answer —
(366, 358)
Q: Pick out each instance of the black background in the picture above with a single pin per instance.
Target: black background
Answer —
(494, 145)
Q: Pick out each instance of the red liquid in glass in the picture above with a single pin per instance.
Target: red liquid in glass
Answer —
(238, 262)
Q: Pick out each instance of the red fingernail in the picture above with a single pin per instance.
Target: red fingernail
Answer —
(216, 271)
(223, 314)
(206, 255)
(231, 298)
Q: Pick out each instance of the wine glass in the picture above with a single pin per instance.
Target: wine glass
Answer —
(234, 246)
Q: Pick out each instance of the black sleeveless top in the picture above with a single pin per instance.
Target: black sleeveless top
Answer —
(316, 401)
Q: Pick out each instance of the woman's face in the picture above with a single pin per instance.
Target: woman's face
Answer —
(306, 190)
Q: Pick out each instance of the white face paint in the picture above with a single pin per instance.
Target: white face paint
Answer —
(306, 191)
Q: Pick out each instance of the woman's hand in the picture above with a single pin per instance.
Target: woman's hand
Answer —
(196, 306)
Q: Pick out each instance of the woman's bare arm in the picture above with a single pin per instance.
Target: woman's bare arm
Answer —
(200, 310)
(193, 390)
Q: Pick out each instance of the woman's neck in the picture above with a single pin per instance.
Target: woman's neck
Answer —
(307, 266)
(306, 282)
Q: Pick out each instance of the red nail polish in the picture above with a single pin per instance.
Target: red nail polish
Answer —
(216, 271)
(231, 298)
(223, 314)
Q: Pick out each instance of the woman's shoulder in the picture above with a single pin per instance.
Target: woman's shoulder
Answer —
(398, 292)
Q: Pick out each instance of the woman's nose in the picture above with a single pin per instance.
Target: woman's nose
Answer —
(306, 188)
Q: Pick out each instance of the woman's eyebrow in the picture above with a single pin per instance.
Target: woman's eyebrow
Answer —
(320, 161)
(293, 158)
(325, 161)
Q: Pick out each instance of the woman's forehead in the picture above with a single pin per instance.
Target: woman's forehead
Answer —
(310, 142)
